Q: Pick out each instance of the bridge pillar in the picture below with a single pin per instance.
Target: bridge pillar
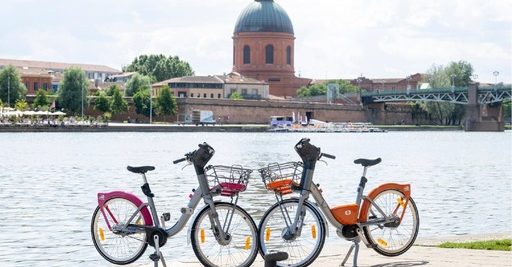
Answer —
(376, 113)
(482, 117)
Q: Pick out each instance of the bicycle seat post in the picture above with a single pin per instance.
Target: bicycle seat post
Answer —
(360, 188)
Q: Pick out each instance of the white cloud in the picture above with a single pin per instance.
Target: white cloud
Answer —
(335, 38)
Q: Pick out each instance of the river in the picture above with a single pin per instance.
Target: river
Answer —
(460, 181)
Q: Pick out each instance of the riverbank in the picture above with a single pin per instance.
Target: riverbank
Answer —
(423, 253)
(132, 127)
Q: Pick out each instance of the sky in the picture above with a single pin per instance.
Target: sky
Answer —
(334, 38)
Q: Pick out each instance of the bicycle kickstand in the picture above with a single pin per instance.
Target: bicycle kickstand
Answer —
(157, 256)
(356, 252)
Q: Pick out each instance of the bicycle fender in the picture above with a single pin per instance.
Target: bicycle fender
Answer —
(403, 188)
(324, 220)
(104, 197)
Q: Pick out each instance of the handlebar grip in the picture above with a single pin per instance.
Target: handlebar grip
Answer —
(179, 160)
(328, 156)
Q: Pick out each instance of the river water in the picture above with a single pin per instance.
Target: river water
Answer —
(461, 182)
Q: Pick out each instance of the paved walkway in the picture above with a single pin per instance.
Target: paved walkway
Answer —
(417, 256)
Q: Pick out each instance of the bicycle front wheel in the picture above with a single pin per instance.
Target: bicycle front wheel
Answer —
(303, 249)
(118, 247)
(391, 239)
(241, 246)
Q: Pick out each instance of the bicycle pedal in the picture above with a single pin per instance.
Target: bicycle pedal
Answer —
(166, 216)
(154, 257)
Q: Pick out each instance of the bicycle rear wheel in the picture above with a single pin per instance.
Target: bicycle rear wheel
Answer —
(242, 247)
(302, 250)
(123, 247)
(391, 239)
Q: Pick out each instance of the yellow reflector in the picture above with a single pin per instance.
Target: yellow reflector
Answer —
(267, 234)
(382, 242)
(102, 234)
(139, 221)
(400, 201)
(247, 243)
(202, 236)
(313, 231)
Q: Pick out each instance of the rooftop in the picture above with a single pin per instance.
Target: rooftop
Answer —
(264, 16)
(47, 65)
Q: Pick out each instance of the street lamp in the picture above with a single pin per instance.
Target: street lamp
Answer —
(83, 102)
(495, 73)
(9, 90)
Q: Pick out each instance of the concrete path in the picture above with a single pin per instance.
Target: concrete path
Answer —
(417, 256)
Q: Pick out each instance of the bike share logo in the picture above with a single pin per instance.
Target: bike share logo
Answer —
(348, 212)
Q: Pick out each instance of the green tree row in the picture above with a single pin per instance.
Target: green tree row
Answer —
(159, 67)
(321, 88)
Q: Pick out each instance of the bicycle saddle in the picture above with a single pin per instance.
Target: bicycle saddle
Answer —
(141, 170)
(368, 162)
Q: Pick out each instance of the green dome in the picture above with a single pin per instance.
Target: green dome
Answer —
(264, 16)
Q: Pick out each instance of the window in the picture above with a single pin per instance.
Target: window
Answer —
(219, 96)
(211, 95)
(269, 54)
(45, 86)
(182, 94)
(244, 91)
(36, 86)
(233, 90)
(204, 95)
(254, 91)
(191, 94)
(289, 55)
(247, 55)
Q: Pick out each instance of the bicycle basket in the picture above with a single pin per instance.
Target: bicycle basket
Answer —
(279, 177)
(230, 179)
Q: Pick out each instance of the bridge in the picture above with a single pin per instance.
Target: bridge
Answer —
(483, 104)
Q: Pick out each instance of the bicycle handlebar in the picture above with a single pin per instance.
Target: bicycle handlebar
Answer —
(327, 156)
(179, 160)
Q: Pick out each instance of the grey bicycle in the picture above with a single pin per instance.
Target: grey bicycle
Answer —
(386, 219)
(222, 233)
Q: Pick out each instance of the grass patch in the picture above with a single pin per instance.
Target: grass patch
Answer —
(505, 244)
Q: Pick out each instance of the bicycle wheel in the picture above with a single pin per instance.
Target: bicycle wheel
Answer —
(118, 248)
(391, 239)
(302, 250)
(242, 247)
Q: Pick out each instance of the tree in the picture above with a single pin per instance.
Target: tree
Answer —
(321, 88)
(160, 67)
(11, 84)
(21, 105)
(110, 90)
(73, 90)
(118, 104)
(235, 96)
(141, 102)
(166, 103)
(41, 100)
(441, 77)
(137, 83)
(102, 102)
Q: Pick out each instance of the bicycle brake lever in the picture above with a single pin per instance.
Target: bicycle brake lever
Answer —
(186, 165)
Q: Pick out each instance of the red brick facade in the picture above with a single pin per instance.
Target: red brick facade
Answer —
(281, 73)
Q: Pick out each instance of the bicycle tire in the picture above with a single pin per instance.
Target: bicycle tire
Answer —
(101, 235)
(246, 248)
(293, 258)
(381, 240)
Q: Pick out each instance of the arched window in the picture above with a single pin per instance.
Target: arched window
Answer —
(247, 55)
(269, 54)
(289, 55)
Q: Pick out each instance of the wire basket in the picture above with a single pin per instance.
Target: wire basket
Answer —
(230, 179)
(279, 177)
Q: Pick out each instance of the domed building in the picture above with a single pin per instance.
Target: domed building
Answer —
(263, 47)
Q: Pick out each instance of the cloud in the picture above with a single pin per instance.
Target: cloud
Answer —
(335, 38)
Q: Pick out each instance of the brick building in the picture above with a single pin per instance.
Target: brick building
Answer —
(411, 82)
(263, 47)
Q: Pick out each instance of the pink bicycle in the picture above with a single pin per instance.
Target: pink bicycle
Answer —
(222, 233)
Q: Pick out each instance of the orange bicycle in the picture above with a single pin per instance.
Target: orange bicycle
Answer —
(386, 219)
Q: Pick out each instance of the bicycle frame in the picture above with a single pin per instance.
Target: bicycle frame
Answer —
(151, 218)
(295, 226)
